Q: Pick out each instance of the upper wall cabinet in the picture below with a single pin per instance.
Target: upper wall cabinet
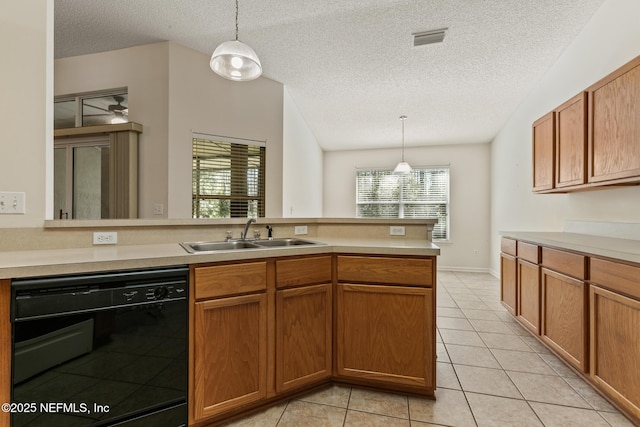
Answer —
(571, 142)
(595, 137)
(560, 147)
(614, 128)
(543, 152)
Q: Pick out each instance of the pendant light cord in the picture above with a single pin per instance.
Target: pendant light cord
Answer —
(236, 20)
(402, 118)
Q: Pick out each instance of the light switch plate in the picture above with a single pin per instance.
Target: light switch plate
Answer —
(12, 203)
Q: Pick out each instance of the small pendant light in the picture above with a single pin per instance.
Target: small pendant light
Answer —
(235, 60)
(403, 167)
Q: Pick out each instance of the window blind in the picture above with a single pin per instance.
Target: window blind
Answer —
(423, 193)
(228, 177)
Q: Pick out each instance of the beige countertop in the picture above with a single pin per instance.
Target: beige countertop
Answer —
(14, 264)
(606, 247)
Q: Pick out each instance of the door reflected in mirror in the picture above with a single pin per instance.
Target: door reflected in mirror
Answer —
(81, 178)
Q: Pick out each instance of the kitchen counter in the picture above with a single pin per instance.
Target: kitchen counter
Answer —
(606, 247)
(31, 263)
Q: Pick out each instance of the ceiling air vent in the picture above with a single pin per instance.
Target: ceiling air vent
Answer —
(429, 37)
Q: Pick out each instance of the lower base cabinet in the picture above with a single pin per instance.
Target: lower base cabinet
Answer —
(508, 282)
(230, 353)
(265, 329)
(529, 295)
(564, 317)
(303, 336)
(384, 335)
(615, 353)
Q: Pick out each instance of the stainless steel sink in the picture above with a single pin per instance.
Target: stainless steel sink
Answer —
(200, 247)
(285, 242)
(197, 247)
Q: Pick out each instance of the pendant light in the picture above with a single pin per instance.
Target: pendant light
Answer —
(403, 167)
(235, 60)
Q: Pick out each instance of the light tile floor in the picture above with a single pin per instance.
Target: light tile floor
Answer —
(490, 372)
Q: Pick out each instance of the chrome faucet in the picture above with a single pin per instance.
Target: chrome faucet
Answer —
(243, 236)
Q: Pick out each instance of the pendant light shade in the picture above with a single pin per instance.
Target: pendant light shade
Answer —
(235, 60)
(403, 167)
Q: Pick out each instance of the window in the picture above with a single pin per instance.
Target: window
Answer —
(424, 193)
(228, 177)
(91, 108)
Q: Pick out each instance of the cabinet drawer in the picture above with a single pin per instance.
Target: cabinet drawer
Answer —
(616, 276)
(528, 252)
(394, 271)
(565, 262)
(508, 246)
(221, 280)
(303, 271)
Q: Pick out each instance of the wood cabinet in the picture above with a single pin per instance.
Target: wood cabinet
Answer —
(385, 334)
(5, 348)
(528, 286)
(265, 329)
(615, 353)
(230, 353)
(528, 308)
(571, 142)
(615, 328)
(614, 128)
(303, 322)
(560, 147)
(543, 152)
(508, 275)
(589, 314)
(385, 322)
(229, 337)
(591, 140)
(564, 323)
(564, 305)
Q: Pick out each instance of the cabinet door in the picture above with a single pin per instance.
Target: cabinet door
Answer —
(571, 142)
(614, 128)
(543, 152)
(529, 295)
(386, 334)
(564, 317)
(230, 353)
(615, 353)
(303, 336)
(508, 289)
(5, 348)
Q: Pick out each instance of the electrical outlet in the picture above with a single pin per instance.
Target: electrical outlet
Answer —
(476, 252)
(300, 229)
(12, 203)
(158, 209)
(396, 230)
(105, 238)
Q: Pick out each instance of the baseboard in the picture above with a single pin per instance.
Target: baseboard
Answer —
(464, 269)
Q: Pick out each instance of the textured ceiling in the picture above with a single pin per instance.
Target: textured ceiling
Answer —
(350, 65)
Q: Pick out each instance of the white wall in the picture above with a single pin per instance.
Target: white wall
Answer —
(302, 165)
(609, 40)
(469, 195)
(145, 71)
(201, 101)
(172, 93)
(26, 34)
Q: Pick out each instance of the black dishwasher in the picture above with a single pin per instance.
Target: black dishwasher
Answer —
(100, 349)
